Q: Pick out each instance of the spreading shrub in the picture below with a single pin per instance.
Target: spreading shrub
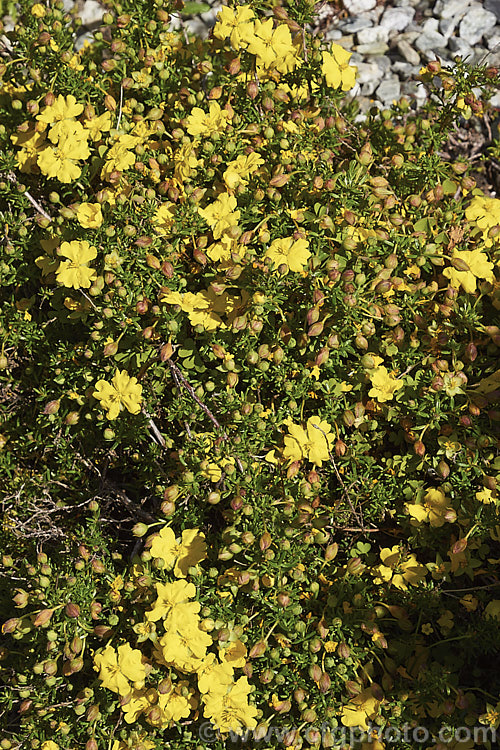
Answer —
(249, 378)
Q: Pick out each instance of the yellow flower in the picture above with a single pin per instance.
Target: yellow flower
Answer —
(485, 212)
(337, 70)
(63, 108)
(237, 25)
(312, 443)
(98, 125)
(384, 384)
(185, 162)
(120, 157)
(138, 702)
(364, 706)
(234, 654)
(60, 161)
(74, 272)
(221, 214)
(173, 602)
(286, 251)
(239, 170)
(182, 555)
(184, 645)
(178, 703)
(201, 123)
(479, 268)
(270, 45)
(435, 509)
(492, 609)
(231, 712)
(31, 144)
(164, 217)
(89, 215)
(202, 308)
(213, 676)
(123, 391)
(486, 496)
(393, 560)
(117, 669)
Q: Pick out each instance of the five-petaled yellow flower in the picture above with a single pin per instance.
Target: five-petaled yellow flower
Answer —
(89, 215)
(179, 555)
(122, 392)
(75, 272)
(384, 384)
(117, 669)
(435, 509)
(312, 444)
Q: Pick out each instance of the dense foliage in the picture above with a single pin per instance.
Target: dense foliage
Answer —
(249, 392)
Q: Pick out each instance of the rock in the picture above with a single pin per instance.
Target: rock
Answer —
(448, 25)
(495, 100)
(430, 41)
(91, 13)
(493, 42)
(397, 19)
(87, 36)
(476, 21)
(406, 50)
(346, 41)
(430, 26)
(414, 90)
(372, 35)
(405, 70)
(331, 35)
(462, 48)
(376, 48)
(409, 36)
(357, 24)
(389, 90)
(355, 7)
(367, 72)
(493, 6)
(451, 8)
(385, 64)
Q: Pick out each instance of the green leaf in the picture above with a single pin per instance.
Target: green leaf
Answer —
(194, 8)
(450, 187)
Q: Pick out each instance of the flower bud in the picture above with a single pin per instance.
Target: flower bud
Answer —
(315, 672)
(43, 617)
(72, 610)
(257, 649)
(252, 89)
(265, 541)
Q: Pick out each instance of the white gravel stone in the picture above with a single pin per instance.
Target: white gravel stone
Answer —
(448, 25)
(475, 22)
(493, 42)
(450, 8)
(494, 6)
(461, 47)
(369, 71)
(355, 7)
(397, 19)
(91, 13)
(495, 100)
(373, 35)
(376, 48)
(333, 34)
(430, 41)
(408, 52)
(405, 70)
(357, 24)
(389, 90)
